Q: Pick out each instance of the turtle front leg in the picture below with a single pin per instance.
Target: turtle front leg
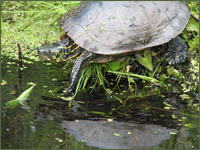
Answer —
(79, 65)
(177, 50)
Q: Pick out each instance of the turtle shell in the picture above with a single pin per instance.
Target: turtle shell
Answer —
(116, 27)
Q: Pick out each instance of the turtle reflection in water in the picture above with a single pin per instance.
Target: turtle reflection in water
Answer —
(101, 31)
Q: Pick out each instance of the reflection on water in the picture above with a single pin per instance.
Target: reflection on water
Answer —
(161, 120)
(117, 135)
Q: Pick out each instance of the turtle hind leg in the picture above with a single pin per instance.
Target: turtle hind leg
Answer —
(177, 51)
(79, 65)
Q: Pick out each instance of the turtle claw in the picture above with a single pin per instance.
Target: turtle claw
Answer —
(175, 57)
(69, 90)
(177, 51)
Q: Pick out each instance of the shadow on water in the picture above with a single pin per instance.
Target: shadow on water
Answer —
(161, 120)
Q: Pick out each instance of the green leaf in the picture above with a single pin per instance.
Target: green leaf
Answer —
(74, 3)
(146, 60)
(118, 63)
(172, 71)
(150, 79)
(14, 103)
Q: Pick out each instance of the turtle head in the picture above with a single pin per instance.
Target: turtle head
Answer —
(53, 52)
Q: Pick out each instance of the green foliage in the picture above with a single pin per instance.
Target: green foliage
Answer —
(171, 71)
(21, 99)
(118, 63)
(150, 79)
(146, 60)
(94, 71)
(30, 23)
(192, 33)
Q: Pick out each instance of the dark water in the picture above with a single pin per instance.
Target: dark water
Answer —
(163, 119)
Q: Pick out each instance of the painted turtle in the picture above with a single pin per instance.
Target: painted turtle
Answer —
(101, 31)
